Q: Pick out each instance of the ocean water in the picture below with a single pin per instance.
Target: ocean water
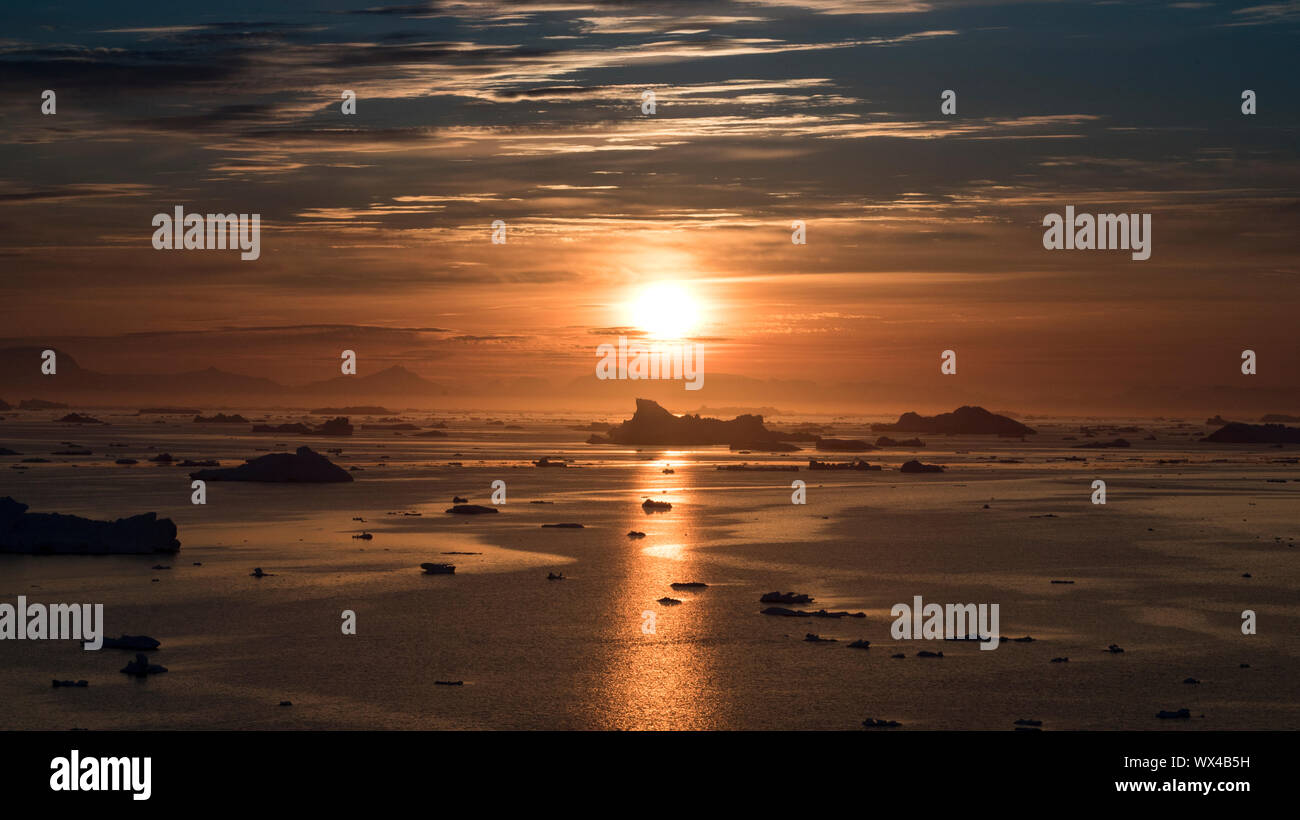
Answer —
(1157, 569)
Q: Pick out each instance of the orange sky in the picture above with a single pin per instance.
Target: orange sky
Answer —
(924, 230)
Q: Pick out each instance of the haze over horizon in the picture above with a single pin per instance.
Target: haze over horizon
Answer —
(924, 231)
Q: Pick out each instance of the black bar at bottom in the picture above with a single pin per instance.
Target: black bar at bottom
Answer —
(320, 769)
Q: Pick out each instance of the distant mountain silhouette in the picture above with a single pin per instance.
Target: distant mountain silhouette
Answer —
(20, 372)
(569, 388)
(355, 410)
(392, 381)
(22, 365)
(21, 368)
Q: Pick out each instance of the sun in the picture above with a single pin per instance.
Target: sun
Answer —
(665, 310)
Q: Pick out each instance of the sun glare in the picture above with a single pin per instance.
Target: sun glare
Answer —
(665, 310)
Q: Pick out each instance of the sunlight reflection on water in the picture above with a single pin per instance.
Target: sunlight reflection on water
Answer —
(663, 679)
